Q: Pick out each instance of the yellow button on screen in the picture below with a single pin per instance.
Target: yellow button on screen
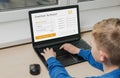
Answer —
(45, 36)
(69, 11)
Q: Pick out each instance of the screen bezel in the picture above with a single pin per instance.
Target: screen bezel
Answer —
(56, 40)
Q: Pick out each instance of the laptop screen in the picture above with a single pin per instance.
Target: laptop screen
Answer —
(54, 23)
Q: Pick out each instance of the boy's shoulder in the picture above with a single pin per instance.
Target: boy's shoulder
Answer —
(112, 74)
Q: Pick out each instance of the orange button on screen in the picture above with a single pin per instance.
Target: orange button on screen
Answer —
(45, 36)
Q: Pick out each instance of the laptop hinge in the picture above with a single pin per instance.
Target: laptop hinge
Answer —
(54, 43)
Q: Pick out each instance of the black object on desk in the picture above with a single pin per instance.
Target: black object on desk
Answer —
(34, 69)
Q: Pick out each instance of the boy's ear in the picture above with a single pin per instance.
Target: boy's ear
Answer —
(103, 56)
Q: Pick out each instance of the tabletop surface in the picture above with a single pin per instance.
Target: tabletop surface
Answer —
(15, 62)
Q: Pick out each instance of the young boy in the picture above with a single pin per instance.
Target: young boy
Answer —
(105, 53)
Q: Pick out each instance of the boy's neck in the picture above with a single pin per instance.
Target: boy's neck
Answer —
(109, 68)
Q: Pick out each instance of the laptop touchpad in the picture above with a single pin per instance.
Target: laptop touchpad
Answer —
(66, 60)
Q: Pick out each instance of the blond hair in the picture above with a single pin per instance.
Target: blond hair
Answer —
(107, 35)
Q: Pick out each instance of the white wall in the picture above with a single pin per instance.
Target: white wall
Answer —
(18, 32)
(90, 17)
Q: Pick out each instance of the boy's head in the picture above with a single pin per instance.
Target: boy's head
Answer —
(106, 36)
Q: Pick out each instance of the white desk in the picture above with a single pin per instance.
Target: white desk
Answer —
(15, 61)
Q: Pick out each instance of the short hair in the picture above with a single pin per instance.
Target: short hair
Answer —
(107, 36)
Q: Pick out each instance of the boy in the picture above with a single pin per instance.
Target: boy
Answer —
(105, 53)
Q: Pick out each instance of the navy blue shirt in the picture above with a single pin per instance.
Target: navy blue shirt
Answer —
(56, 69)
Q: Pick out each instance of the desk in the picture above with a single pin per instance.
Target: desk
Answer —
(15, 61)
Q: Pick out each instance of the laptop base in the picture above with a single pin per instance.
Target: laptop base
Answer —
(66, 58)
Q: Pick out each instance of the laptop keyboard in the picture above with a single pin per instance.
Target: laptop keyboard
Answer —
(56, 49)
(65, 57)
(80, 44)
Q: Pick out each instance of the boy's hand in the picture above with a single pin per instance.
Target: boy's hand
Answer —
(70, 48)
(47, 53)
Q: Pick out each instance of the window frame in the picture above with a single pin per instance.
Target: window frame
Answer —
(22, 14)
(95, 4)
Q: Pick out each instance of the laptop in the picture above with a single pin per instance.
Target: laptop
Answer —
(53, 27)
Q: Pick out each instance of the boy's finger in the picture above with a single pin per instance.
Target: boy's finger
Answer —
(61, 47)
(51, 49)
(42, 54)
(47, 49)
(44, 50)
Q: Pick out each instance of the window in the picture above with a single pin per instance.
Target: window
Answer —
(93, 4)
(17, 4)
(18, 9)
(84, 0)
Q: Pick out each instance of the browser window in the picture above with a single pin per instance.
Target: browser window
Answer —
(54, 24)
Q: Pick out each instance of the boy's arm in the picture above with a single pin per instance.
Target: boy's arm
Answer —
(56, 70)
(86, 54)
